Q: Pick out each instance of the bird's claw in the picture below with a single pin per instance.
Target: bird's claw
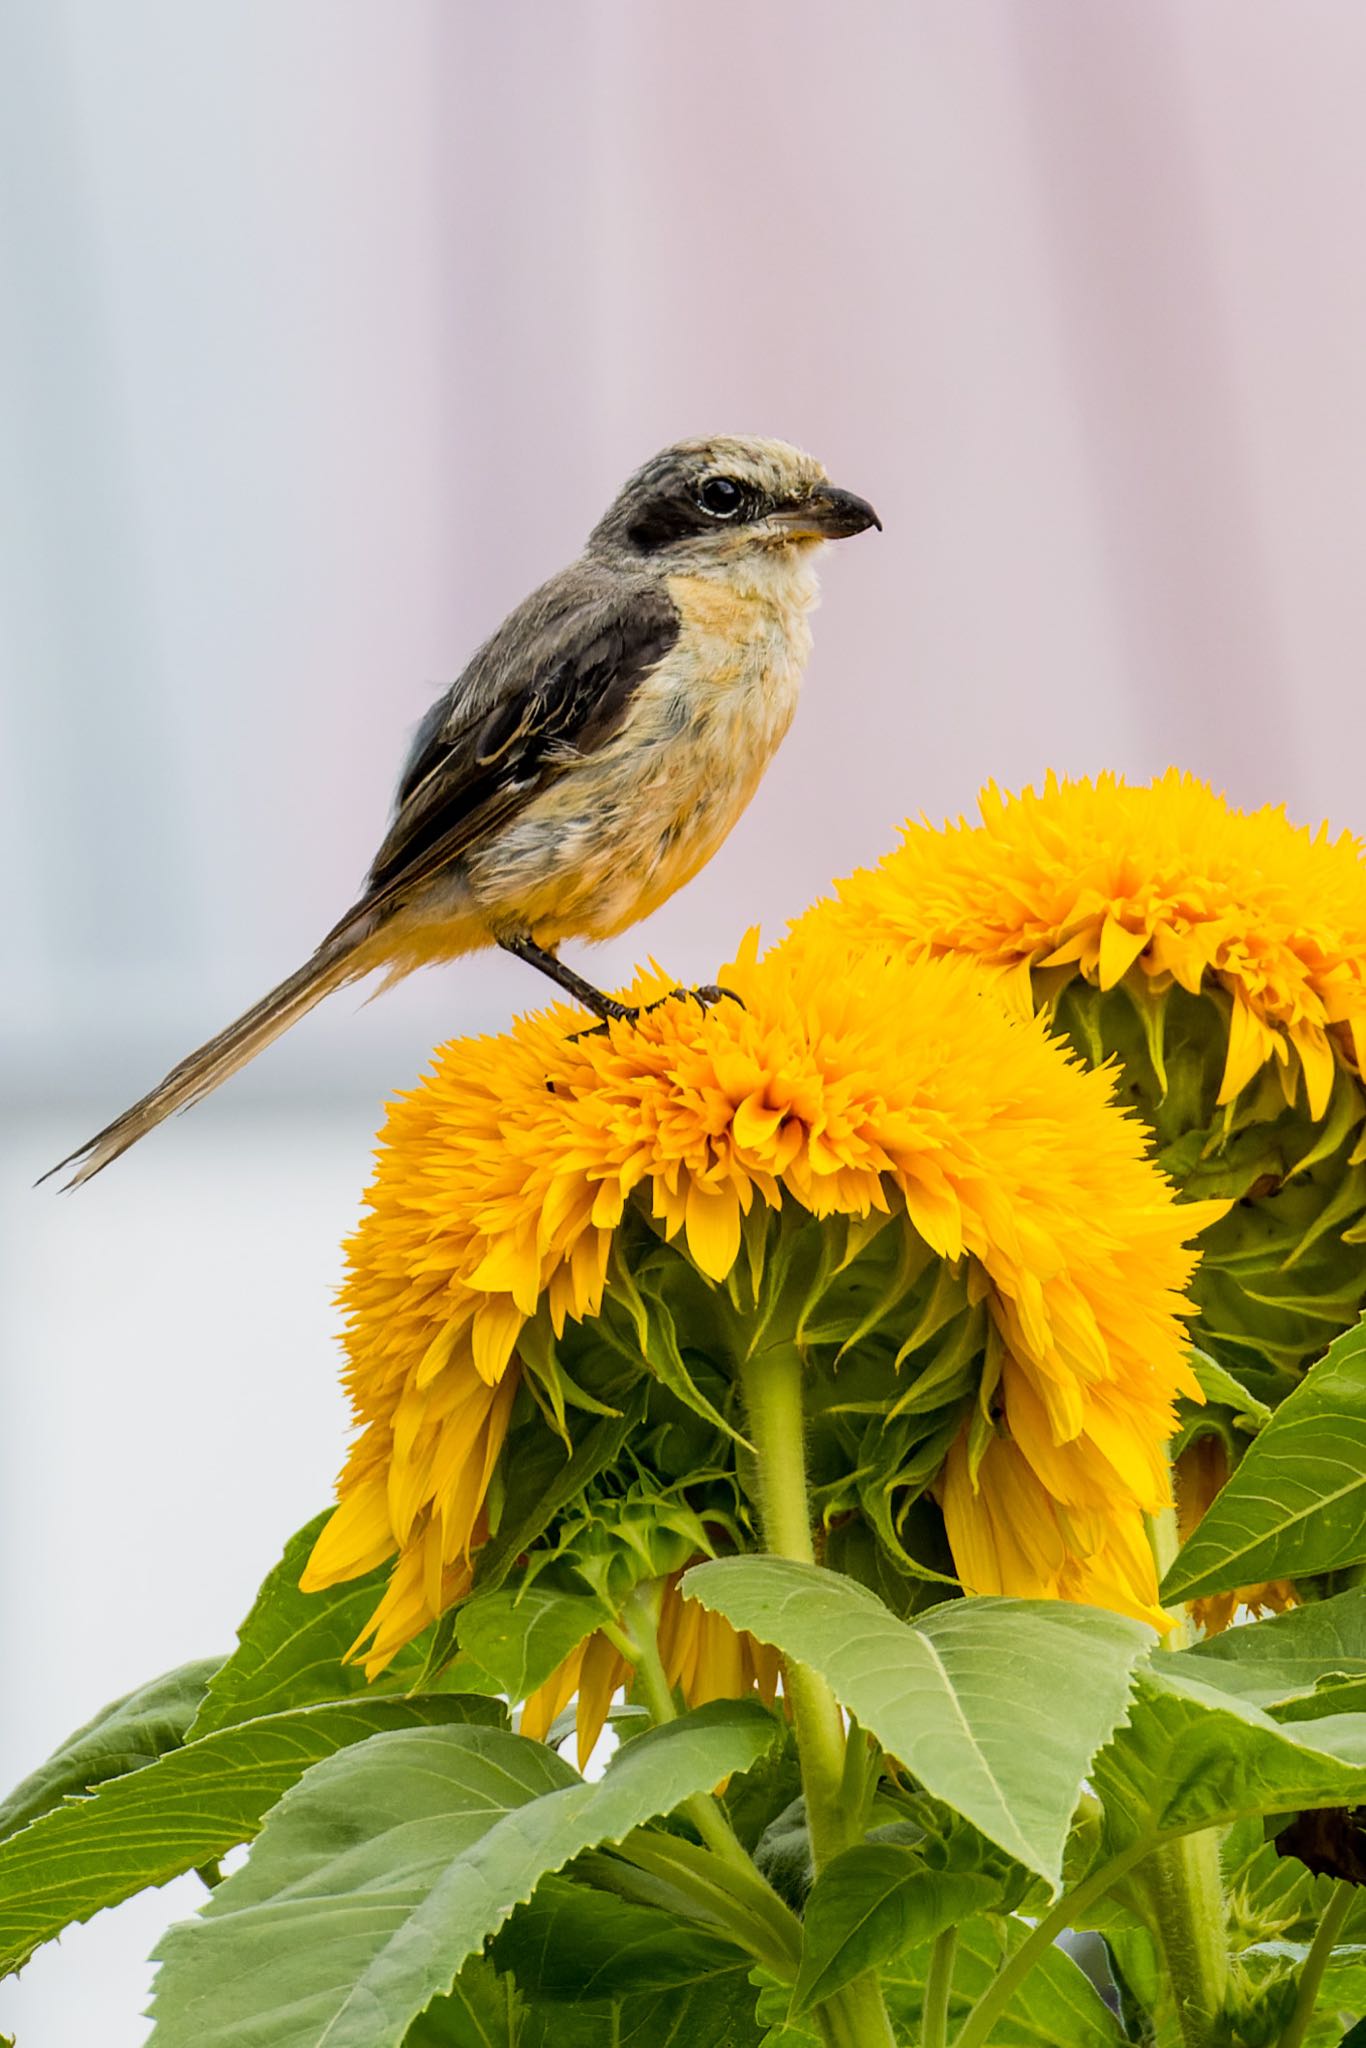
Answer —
(712, 992)
(624, 1013)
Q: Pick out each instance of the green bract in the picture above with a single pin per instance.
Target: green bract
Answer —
(1285, 1271)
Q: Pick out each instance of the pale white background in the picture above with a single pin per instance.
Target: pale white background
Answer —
(326, 329)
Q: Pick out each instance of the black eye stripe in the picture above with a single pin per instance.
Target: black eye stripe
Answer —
(676, 510)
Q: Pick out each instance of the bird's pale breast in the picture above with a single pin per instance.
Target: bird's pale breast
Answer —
(630, 824)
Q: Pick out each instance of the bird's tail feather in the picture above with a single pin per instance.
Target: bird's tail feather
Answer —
(334, 963)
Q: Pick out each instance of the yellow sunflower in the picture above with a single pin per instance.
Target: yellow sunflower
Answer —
(1217, 960)
(1098, 878)
(864, 1155)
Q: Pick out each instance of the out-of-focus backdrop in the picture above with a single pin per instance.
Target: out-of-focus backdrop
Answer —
(325, 333)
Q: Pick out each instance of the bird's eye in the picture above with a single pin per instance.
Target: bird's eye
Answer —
(721, 496)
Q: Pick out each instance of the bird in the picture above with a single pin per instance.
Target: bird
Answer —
(591, 757)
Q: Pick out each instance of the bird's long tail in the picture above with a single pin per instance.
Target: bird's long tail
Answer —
(334, 962)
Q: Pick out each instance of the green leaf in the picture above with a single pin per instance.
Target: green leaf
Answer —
(290, 1648)
(755, 1798)
(1191, 1756)
(1055, 2006)
(341, 1873)
(183, 1811)
(869, 1904)
(1297, 1501)
(1333, 1696)
(481, 2010)
(486, 2010)
(1010, 1757)
(122, 1737)
(520, 1635)
(570, 1942)
(717, 2013)
(385, 1868)
(1285, 1657)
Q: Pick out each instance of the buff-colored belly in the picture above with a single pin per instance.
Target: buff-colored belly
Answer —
(625, 827)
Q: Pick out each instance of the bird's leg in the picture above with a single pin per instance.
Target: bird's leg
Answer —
(606, 1007)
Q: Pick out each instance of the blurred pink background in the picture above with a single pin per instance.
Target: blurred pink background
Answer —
(325, 332)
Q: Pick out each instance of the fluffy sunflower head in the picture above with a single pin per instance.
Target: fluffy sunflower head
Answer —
(1218, 957)
(572, 1241)
(1100, 878)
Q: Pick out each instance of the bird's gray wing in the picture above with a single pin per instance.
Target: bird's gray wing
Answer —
(555, 681)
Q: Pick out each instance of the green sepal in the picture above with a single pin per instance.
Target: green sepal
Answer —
(1284, 1272)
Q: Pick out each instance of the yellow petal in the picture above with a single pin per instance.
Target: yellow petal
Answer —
(602, 1671)
(1320, 1068)
(494, 1332)
(713, 1227)
(1249, 1048)
(1119, 948)
(356, 1538)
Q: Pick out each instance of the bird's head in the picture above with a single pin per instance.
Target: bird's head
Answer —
(703, 503)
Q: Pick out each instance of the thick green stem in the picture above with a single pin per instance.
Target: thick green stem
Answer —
(773, 1401)
(938, 1986)
(772, 1382)
(856, 2017)
(1316, 1962)
(1183, 1886)
(1182, 1882)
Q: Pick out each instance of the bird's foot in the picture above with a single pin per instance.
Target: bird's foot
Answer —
(625, 1013)
(710, 993)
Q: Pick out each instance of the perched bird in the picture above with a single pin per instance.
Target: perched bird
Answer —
(593, 755)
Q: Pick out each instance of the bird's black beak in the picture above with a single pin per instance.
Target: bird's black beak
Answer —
(829, 514)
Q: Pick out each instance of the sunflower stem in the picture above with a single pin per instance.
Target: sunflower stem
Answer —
(773, 1401)
(640, 1619)
(977, 2027)
(1316, 1962)
(773, 1391)
(938, 1986)
(1182, 1882)
(1183, 1887)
